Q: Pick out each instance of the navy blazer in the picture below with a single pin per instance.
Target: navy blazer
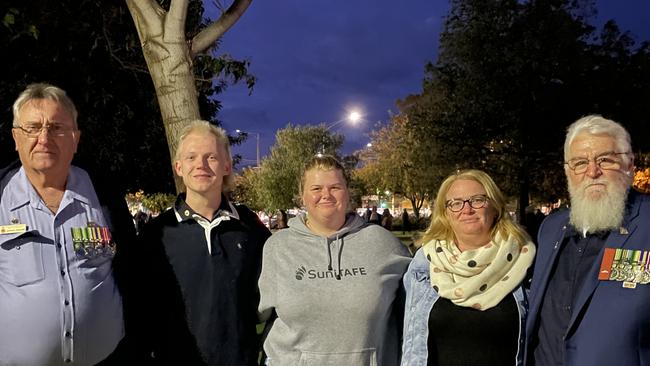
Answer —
(610, 325)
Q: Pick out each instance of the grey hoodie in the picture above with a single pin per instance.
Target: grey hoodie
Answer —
(336, 298)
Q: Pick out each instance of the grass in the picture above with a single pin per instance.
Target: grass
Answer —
(406, 238)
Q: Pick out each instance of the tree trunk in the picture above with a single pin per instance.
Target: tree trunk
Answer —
(171, 70)
(416, 207)
(169, 59)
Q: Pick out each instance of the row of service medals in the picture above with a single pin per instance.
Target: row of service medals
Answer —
(626, 265)
(92, 241)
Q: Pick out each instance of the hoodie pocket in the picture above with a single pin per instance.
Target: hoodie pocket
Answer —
(363, 357)
(21, 258)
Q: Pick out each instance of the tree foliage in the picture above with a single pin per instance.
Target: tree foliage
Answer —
(153, 202)
(246, 189)
(511, 76)
(274, 186)
(173, 42)
(404, 161)
(91, 49)
(73, 44)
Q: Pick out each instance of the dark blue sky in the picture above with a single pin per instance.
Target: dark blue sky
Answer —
(316, 60)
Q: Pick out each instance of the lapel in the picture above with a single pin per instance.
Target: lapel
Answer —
(544, 269)
(616, 239)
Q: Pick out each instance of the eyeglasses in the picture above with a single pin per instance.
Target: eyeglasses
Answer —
(54, 129)
(475, 202)
(606, 161)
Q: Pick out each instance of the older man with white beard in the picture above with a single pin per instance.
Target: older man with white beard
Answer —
(590, 297)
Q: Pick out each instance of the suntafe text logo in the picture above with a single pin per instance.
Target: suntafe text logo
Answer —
(312, 274)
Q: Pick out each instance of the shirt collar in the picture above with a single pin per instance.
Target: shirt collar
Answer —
(184, 212)
(572, 231)
(20, 190)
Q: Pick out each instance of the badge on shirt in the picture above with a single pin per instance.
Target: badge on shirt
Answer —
(13, 228)
(92, 241)
(631, 267)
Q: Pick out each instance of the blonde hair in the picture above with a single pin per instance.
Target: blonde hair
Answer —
(205, 127)
(440, 227)
(324, 163)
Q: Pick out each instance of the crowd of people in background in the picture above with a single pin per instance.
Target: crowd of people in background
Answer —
(79, 286)
(385, 218)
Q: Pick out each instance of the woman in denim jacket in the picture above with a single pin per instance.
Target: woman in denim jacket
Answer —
(464, 300)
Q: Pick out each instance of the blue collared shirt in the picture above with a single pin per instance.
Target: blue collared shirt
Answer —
(55, 306)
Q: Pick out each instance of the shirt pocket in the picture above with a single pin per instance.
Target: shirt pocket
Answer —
(420, 288)
(96, 268)
(363, 357)
(21, 258)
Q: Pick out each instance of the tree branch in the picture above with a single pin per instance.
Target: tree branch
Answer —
(117, 59)
(147, 16)
(175, 21)
(208, 36)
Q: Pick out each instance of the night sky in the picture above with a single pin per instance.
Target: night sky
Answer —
(317, 60)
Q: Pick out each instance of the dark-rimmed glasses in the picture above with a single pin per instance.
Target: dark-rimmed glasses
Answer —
(607, 161)
(475, 202)
(54, 129)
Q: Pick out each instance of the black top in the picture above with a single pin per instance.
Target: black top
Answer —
(197, 306)
(461, 336)
(575, 259)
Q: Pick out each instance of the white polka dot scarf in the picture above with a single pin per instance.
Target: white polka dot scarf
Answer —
(478, 278)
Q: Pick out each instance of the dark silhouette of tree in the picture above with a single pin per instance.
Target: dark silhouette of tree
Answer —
(512, 75)
(91, 49)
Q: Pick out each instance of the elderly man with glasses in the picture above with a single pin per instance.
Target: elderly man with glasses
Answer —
(590, 297)
(59, 302)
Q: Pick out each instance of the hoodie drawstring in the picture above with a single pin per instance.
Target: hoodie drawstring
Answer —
(329, 255)
(337, 272)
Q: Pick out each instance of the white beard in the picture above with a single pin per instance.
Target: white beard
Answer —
(603, 213)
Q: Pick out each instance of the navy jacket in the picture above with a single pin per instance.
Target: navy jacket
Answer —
(193, 307)
(610, 324)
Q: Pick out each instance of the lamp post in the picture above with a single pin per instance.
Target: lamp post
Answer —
(257, 137)
(353, 117)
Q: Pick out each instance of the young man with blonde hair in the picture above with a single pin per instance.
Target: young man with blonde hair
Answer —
(197, 290)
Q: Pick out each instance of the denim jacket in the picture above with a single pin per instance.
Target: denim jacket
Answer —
(420, 297)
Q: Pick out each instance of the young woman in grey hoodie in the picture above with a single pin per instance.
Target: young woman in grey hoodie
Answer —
(331, 282)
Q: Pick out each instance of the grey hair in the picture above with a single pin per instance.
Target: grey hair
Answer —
(205, 127)
(44, 91)
(597, 125)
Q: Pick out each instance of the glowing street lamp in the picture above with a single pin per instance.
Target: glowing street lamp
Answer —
(353, 117)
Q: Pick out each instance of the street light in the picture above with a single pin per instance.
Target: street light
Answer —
(353, 117)
(257, 136)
